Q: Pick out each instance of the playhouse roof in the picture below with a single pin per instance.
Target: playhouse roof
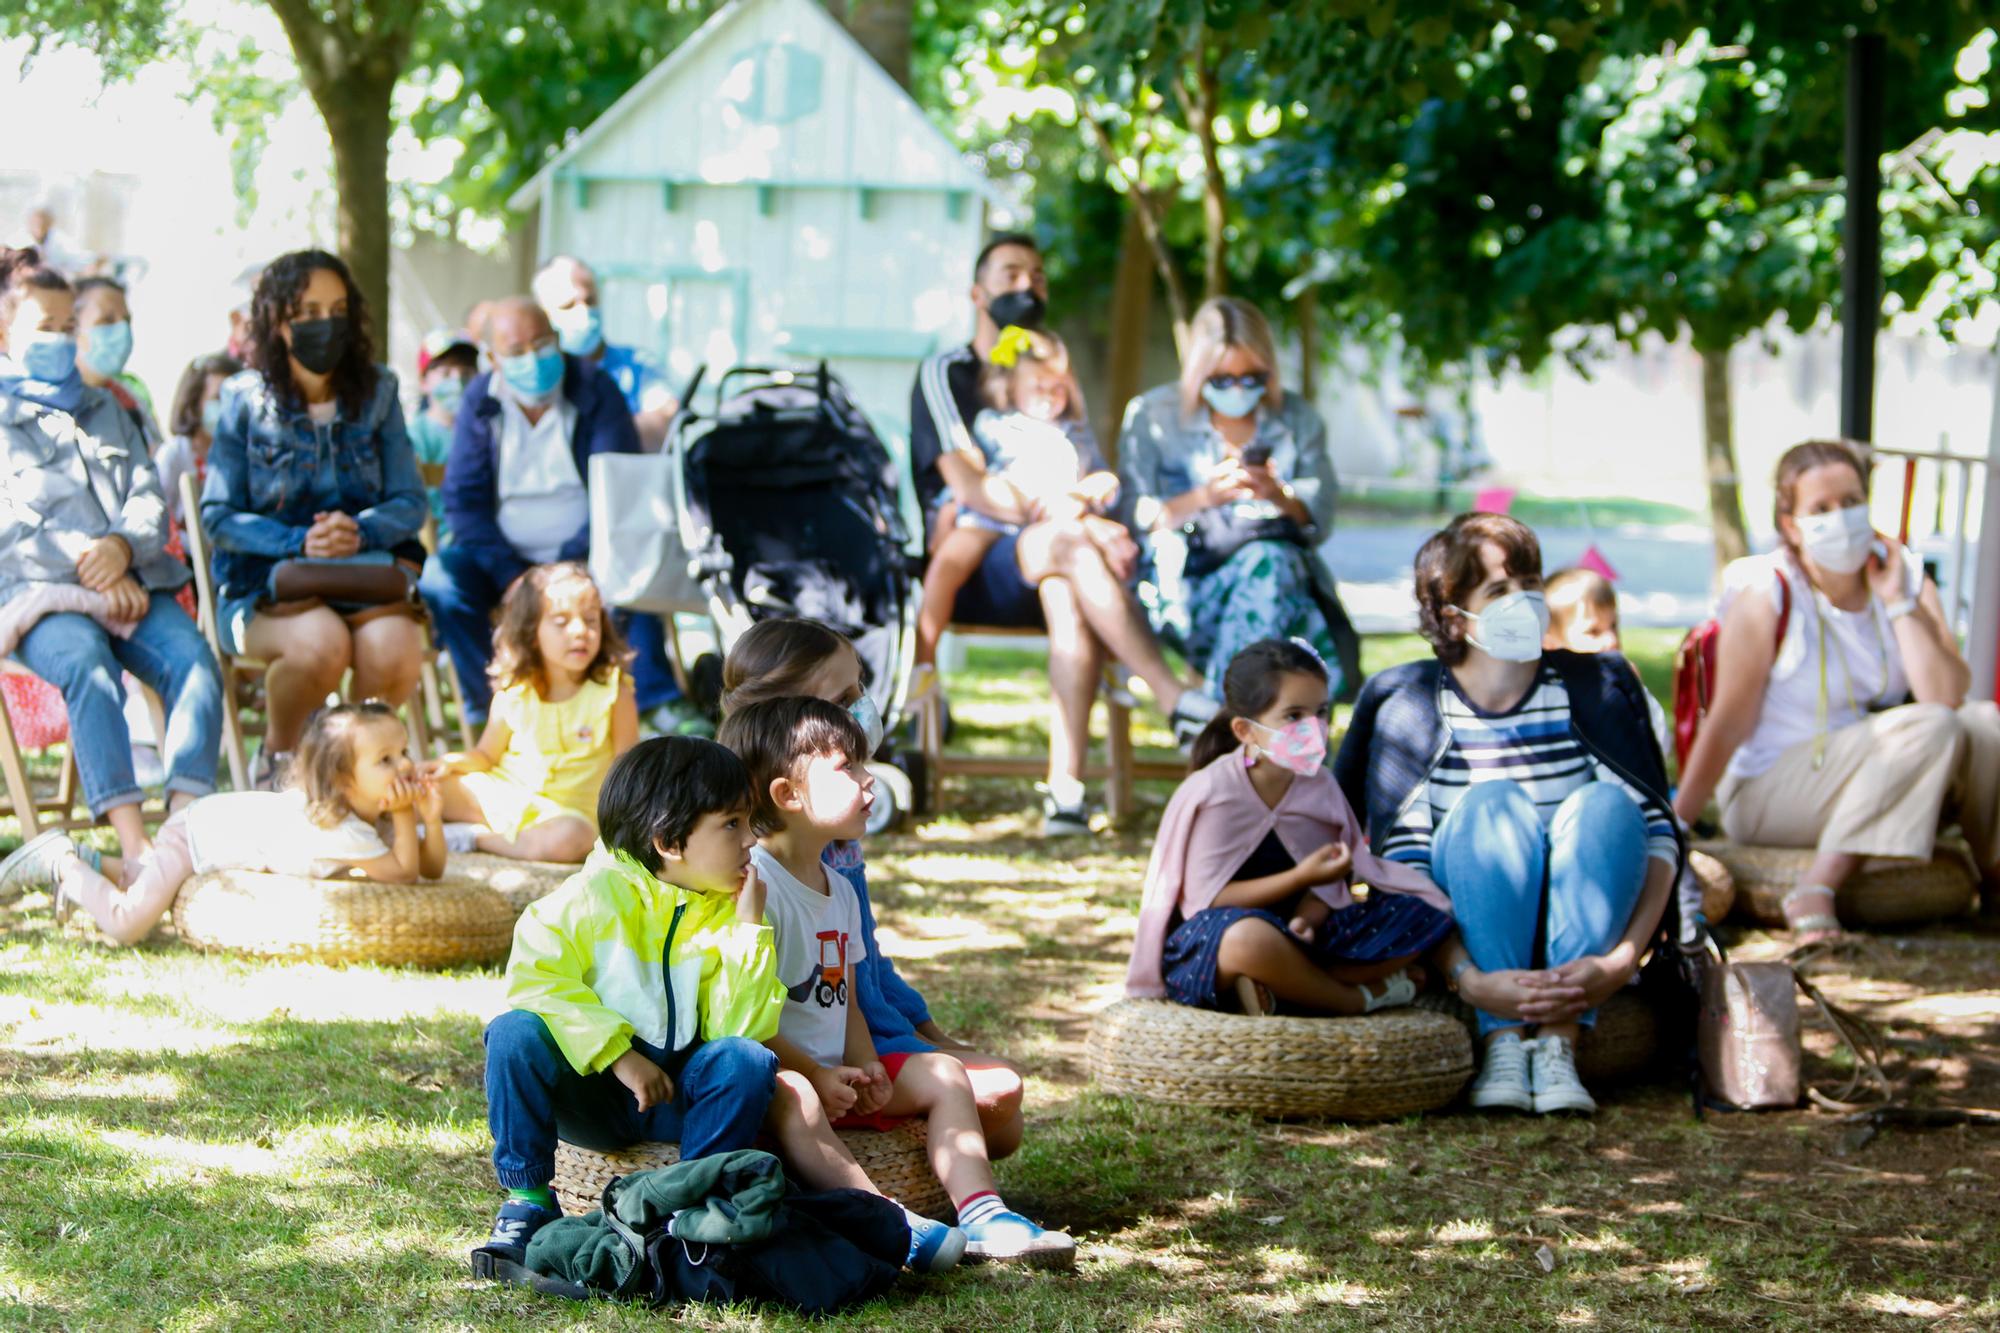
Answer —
(893, 101)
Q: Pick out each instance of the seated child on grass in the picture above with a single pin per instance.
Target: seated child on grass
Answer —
(563, 709)
(1248, 887)
(1583, 617)
(805, 758)
(788, 656)
(638, 992)
(350, 773)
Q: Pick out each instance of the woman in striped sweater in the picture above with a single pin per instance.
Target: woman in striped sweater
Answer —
(1530, 788)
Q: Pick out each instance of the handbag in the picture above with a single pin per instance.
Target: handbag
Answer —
(1748, 1039)
(1214, 535)
(372, 578)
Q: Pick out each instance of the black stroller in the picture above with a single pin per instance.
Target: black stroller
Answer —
(789, 505)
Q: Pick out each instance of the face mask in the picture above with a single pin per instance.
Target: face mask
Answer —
(447, 394)
(1024, 309)
(1298, 746)
(533, 376)
(211, 416)
(865, 711)
(50, 357)
(579, 329)
(1510, 629)
(1232, 400)
(1838, 542)
(110, 348)
(318, 344)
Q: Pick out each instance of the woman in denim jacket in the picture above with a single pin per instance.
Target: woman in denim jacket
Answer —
(311, 460)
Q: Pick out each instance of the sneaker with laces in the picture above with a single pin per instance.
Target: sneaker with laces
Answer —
(518, 1220)
(1008, 1237)
(1503, 1084)
(35, 864)
(1064, 821)
(934, 1246)
(1552, 1074)
(1190, 715)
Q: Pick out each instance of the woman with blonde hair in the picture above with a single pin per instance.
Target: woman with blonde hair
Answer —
(1228, 484)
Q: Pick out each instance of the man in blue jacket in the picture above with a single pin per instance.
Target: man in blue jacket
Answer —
(514, 487)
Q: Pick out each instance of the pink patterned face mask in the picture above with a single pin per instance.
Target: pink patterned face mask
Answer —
(1299, 746)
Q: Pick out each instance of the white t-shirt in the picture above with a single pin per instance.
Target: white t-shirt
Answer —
(268, 830)
(819, 941)
(541, 499)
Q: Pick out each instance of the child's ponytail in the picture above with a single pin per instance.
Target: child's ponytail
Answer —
(1250, 686)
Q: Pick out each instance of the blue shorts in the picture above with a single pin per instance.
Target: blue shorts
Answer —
(1374, 930)
(996, 594)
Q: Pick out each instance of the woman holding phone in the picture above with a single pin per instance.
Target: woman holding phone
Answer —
(1840, 721)
(1227, 484)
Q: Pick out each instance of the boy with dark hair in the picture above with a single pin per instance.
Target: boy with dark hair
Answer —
(640, 990)
(810, 788)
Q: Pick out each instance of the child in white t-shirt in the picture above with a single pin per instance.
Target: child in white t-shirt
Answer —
(807, 778)
(1583, 617)
(350, 774)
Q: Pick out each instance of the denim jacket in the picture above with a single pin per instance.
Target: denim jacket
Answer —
(259, 503)
(67, 480)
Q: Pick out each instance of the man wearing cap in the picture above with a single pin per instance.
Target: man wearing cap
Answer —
(446, 362)
(567, 290)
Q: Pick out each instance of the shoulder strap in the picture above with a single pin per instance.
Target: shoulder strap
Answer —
(1784, 603)
(1862, 1041)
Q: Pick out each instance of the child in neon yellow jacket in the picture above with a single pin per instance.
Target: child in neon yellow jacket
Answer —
(639, 992)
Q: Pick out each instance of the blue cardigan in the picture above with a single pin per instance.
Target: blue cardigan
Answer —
(471, 477)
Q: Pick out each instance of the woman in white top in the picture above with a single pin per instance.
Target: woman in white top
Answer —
(1840, 721)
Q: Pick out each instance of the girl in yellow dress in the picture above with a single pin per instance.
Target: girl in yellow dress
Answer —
(563, 709)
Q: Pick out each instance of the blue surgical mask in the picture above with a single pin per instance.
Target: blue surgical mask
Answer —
(49, 357)
(110, 348)
(1232, 400)
(865, 711)
(447, 394)
(533, 376)
(211, 416)
(580, 329)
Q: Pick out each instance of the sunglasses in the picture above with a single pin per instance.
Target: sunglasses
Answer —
(1236, 381)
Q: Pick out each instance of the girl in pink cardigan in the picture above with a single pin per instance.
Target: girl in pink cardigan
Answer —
(1248, 891)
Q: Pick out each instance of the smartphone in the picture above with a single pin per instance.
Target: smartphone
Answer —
(1256, 454)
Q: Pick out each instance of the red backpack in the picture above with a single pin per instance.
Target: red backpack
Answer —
(1694, 673)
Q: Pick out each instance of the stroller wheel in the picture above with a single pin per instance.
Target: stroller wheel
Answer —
(893, 796)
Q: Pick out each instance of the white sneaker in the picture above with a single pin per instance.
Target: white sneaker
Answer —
(1552, 1072)
(1502, 1084)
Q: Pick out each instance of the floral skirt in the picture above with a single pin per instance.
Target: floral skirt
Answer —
(1264, 591)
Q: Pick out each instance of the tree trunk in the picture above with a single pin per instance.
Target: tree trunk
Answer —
(1150, 214)
(883, 29)
(1131, 320)
(1308, 317)
(357, 120)
(1725, 499)
(1199, 107)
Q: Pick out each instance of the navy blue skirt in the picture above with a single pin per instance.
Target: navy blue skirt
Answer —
(1373, 930)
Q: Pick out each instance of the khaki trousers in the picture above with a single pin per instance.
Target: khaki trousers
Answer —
(1887, 784)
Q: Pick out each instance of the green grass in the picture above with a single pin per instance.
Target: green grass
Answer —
(1373, 505)
(200, 1143)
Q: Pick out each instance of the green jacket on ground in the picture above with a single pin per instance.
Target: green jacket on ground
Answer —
(588, 959)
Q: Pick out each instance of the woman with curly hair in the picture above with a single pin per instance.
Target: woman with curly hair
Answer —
(311, 477)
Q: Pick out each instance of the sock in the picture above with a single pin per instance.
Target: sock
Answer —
(539, 1197)
(980, 1207)
(1067, 793)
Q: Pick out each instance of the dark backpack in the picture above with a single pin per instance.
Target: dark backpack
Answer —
(1694, 673)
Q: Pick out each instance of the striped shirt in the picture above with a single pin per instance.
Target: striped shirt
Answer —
(1532, 744)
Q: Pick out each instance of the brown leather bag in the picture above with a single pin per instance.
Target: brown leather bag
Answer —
(341, 582)
(1748, 1038)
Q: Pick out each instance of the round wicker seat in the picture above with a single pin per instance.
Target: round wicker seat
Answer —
(1718, 886)
(1372, 1068)
(897, 1160)
(1881, 893)
(519, 882)
(445, 922)
(1622, 1044)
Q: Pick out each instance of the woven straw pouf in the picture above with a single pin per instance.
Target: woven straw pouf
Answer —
(1371, 1068)
(1623, 1043)
(519, 882)
(1718, 886)
(896, 1160)
(1881, 893)
(432, 923)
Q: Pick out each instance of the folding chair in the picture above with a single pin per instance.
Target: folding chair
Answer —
(1119, 767)
(29, 805)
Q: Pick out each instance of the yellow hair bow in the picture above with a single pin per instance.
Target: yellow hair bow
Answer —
(1013, 341)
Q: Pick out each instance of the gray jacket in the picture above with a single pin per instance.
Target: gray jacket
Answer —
(70, 480)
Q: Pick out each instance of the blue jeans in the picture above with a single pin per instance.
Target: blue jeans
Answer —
(77, 656)
(1498, 863)
(722, 1089)
(463, 595)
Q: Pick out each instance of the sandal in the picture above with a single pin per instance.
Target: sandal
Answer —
(1255, 998)
(1811, 927)
(1396, 992)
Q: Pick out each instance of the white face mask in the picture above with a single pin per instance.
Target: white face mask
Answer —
(1838, 540)
(1511, 628)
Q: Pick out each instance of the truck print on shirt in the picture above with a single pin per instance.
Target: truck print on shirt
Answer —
(827, 982)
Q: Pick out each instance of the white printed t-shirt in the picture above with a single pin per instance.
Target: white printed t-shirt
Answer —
(819, 942)
(268, 830)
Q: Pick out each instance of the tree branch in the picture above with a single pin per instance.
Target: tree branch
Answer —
(1150, 212)
(308, 35)
(1199, 108)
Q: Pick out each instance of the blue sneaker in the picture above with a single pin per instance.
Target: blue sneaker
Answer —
(1012, 1238)
(35, 864)
(506, 1250)
(934, 1246)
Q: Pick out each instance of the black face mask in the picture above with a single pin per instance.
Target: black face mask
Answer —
(318, 344)
(1021, 309)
